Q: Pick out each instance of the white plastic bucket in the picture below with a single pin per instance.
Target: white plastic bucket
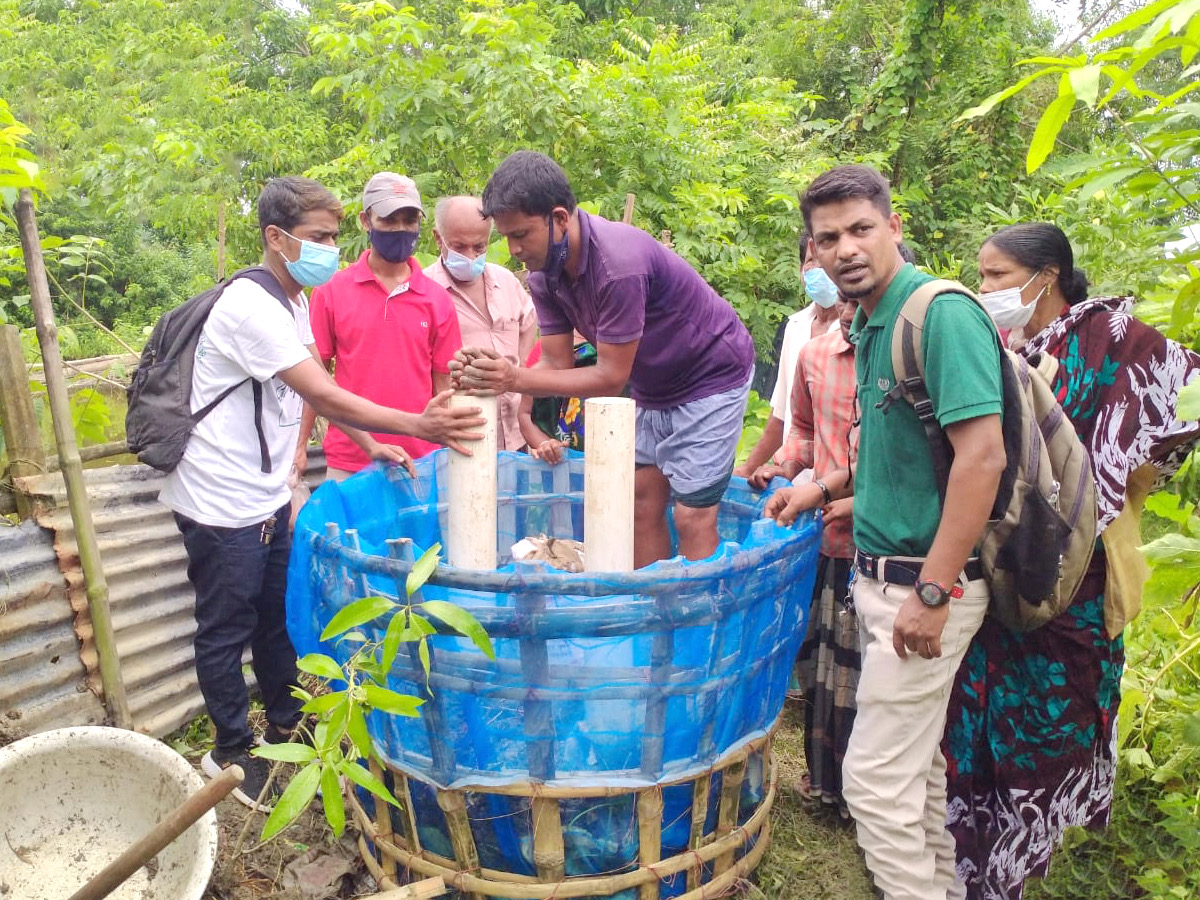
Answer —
(75, 799)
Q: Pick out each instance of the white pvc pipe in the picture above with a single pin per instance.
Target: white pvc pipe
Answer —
(471, 485)
(608, 466)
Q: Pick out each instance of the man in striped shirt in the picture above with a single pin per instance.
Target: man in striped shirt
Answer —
(820, 439)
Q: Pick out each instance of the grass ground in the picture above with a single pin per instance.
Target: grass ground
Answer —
(813, 854)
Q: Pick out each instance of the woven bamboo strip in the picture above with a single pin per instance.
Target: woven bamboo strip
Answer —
(649, 814)
(569, 792)
(549, 854)
(372, 864)
(383, 820)
(408, 815)
(506, 885)
(459, 826)
(442, 863)
(727, 813)
(700, 792)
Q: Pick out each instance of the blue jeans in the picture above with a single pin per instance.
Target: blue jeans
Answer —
(240, 587)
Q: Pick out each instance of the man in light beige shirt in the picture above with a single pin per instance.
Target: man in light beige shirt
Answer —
(494, 310)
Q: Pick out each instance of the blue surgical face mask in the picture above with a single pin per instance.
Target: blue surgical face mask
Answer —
(315, 265)
(819, 288)
(463, 268)
(556, 254)
(394, 246)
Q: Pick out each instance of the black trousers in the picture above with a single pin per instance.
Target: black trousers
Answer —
(240, 587)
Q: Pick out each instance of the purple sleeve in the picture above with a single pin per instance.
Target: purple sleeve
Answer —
(551, 318)
(621, 310)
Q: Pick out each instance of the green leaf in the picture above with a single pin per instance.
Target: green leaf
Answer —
(1191, 729)
(289, 753)
(422, 569)
(357, 613)
(328, 733)
(990, 103)
(1085, 83)
(1134, 20)
(1170, 506)
(331, 799)
(1048, 127)
(321, 665)
(325, 702)
(364, 779)
(294, 800)
(1187, 408)
(389, 701)
(462, 622)
(1175, 549)
(360, 735)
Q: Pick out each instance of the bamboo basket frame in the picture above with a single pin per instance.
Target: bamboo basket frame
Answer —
(465, 874)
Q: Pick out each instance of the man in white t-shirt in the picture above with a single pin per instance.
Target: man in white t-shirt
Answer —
(816, 319)
(233, 515)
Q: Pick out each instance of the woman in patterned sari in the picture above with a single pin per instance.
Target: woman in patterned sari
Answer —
(1031, 733)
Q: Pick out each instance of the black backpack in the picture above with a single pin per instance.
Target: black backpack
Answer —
(159, 420)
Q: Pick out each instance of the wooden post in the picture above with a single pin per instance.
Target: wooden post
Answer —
(608, 484)
(72, 469)
(471, 485)
(627, 218)
(22, 437)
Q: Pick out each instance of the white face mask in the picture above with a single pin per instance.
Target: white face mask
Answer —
(1006, 308)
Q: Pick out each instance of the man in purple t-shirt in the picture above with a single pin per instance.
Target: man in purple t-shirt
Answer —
(657, 326)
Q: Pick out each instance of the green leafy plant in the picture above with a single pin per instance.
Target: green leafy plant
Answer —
(758, 413)
(340, 739)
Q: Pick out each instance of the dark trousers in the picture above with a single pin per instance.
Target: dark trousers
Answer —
(240, 586)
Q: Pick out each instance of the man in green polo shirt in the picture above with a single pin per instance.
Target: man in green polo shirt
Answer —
(917, 588)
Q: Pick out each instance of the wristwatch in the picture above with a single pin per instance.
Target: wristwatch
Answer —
(934, 595)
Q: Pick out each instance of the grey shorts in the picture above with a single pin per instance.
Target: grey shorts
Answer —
(694, 444)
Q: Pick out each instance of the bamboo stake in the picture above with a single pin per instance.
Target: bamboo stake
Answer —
(72, 469)
(649, 815)
(383, 819)
(22, 436)
(627, 218)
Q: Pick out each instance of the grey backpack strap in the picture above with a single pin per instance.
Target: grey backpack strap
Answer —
(908, 366)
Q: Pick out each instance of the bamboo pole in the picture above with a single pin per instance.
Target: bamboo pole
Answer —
(608, 485)
(471, 484)
(627, 218)
(72, 469)
(22, 437)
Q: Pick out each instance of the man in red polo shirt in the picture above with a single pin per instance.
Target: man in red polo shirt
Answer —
(385, 330)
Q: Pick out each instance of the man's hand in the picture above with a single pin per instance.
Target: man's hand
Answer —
(838, 509)
(787, 503)
(443, 425)
(391, 454)
(479, 371)
(919, 628)
(549, 450)
(762, 476)
(300, 462)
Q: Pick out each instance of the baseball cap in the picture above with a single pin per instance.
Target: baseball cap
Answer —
(387, 192)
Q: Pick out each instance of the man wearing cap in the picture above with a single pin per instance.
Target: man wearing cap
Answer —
(494, 310)
(385, 330)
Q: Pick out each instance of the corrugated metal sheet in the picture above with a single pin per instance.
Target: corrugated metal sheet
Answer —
(43, 683)
(151, 599)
